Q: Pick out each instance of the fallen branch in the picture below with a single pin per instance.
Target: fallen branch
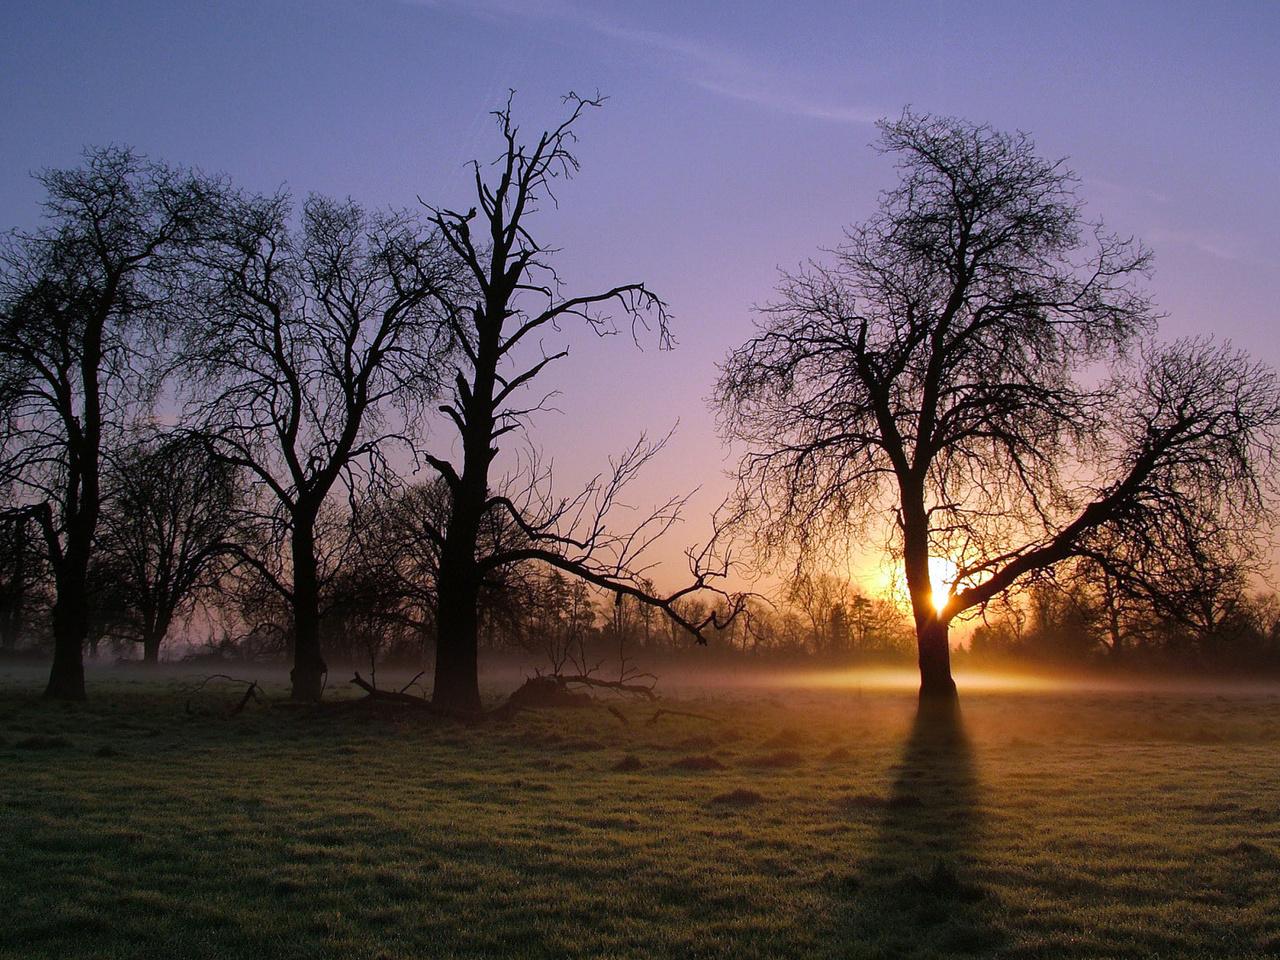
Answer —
(413, 681)
(620, 715)
(636, 689)
(536, 692)
(251, 692)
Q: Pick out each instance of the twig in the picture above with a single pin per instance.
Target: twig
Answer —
(413, 681)
(251, 691)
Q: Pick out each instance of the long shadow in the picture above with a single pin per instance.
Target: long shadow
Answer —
(915, 893)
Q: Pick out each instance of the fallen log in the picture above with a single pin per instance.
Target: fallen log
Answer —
(419, 703)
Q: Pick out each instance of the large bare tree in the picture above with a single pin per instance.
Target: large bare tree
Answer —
(84, 303)
(318, 346)
(517, 299)
(954, 376)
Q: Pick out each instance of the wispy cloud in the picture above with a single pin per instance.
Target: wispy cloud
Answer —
(1214, 243)
(772, 99)
(706, 66)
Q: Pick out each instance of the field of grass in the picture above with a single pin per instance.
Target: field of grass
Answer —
(793, 823)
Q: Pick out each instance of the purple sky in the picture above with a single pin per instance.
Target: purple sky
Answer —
(735, 141)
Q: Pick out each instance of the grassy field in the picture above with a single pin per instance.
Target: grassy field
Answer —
(802, 823)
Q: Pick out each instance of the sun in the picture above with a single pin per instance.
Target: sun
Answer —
(942, 577)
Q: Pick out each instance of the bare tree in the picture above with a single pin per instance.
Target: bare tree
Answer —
(24, 579)
(317, 349)
(943, 379)
(818, 595)
(517, 300)
(84, 302)
(169, 518)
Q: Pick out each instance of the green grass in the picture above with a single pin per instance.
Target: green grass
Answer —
(1049, 824)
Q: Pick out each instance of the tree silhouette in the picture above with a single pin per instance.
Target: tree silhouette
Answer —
(516, 298)
(942, 372)
(84, 302)
(169, 517)
(313, 356)
(24, 577)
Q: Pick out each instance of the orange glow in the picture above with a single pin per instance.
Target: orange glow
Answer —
(907, 679)
(942, 577)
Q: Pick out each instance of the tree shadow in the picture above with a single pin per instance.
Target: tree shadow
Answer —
(915, 893)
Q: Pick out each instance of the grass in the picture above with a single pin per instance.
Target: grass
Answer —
(827, 823)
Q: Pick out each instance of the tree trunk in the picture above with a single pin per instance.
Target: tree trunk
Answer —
(457, 677)
(154, 629)
(935, 661)
(931, 627)
(11, 626)
(15, 595)
(309, 669)
(70, 624)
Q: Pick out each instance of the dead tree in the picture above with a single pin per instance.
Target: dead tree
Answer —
(935, 383)
(516, 300)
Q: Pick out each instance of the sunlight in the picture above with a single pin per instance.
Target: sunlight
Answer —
(903, 679)
(942, 576)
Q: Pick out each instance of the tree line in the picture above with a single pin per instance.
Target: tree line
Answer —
(301, 357)
(322, 414)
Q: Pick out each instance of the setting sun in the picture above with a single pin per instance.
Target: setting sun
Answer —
(942, 576)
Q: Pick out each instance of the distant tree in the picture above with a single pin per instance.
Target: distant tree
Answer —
(818, 595)
(23, 577)
(317, 349)
(941, 373)
(562, 627)
(84, 303)
(169, 520)
(515, 299)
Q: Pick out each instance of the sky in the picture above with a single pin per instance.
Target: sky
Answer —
(736, 141)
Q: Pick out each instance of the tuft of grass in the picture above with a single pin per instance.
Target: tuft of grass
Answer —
(861, 801)
(703, 761)
(741, 797)
(779, 760)
(42, 742)
(787, 737)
